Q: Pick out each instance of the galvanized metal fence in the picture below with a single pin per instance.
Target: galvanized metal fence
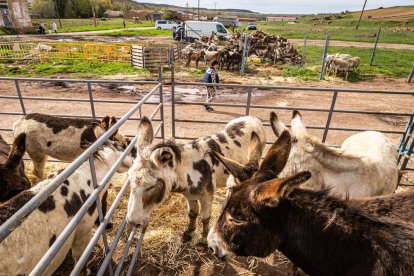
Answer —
(333, 93)
(87, 156)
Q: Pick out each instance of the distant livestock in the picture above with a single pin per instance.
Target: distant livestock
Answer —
(322, 234)
(13, 180)
(190, 169)
(364, 166)
(341, 63)
(27, 243)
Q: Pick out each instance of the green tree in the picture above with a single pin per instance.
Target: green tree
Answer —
(60, 8)
(43, 8)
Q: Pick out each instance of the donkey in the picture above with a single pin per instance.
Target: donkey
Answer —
(61, 138)
(196, 56)
(12, 177)
(365, 166)
(395, 206)
(25, 246)
(190, 169)
(321, 233)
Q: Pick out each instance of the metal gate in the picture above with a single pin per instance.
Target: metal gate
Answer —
(405, 149)
(87, 156)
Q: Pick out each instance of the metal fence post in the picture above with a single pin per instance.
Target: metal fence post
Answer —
(304, 50)
(410, 76)
(19, 94)
(244, 57)
(99, 205)
(249, 98)
(172, 102)
(325, 51)
(91, 100)
(328, 121)
(161, 101)
(375, 47)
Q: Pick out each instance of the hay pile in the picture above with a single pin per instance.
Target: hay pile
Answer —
(162, 251)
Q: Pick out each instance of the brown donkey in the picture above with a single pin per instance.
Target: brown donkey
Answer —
(322, 234)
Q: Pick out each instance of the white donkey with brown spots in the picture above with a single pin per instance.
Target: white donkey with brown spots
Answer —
(190, 169)
(28, 242)
(61, 138)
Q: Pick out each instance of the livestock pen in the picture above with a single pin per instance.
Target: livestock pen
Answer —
(332, 114)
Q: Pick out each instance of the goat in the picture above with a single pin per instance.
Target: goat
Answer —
(13, 180)
(189, 169)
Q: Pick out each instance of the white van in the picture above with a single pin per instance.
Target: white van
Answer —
(197, 29)
(165, 25)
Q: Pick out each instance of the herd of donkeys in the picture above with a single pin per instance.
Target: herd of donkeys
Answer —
(331, 211)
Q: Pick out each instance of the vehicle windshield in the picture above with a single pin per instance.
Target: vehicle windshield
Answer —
(221, 29)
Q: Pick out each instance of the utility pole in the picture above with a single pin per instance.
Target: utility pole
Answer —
(215, 7)
(359, 21)
(198, 10)
(186, 5)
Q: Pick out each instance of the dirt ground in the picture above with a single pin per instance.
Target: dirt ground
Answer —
(191, 261)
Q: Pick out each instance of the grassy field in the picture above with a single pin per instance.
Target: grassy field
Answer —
(77, 69)
(149, 32)
(342, 26)
(395, 63)
(84, 25)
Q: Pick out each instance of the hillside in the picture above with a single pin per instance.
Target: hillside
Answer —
(400, 13)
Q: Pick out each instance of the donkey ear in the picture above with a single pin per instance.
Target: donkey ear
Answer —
(111, 123)
(277, 126)
(269, 193)
(235, 168)
(162, 157)
(145, 132)
(254, 151)
(277, 156)
(297, 125)
(98, 130)
(105, 123)
(16, 152)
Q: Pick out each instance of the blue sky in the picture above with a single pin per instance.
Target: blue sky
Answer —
(289, 6)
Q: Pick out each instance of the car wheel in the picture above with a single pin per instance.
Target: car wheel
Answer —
(159, 28)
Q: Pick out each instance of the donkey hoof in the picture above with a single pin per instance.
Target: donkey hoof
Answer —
(109, 226)
(202, 244)
(187, 236)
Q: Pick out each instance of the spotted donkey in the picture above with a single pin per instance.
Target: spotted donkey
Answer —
(61, 138)
(25, 246)
(190, 169)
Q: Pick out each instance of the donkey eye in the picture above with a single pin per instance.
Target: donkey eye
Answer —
(150, 188)
(236, 222)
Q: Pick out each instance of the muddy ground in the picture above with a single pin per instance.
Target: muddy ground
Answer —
(204, 263)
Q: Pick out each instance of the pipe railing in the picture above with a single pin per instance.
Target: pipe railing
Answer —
(14, 221)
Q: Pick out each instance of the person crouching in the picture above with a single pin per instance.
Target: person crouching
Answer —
(211, 76)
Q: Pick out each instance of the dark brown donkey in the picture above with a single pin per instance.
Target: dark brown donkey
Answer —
(12, 177)
(322, 234)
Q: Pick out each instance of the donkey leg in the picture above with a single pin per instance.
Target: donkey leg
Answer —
(39, 163)
(206, 209)
(193, 211)
(104, 204)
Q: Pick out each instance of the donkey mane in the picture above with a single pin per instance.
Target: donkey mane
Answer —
(173, 146)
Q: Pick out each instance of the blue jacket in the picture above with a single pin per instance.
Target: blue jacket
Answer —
(211, 76)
